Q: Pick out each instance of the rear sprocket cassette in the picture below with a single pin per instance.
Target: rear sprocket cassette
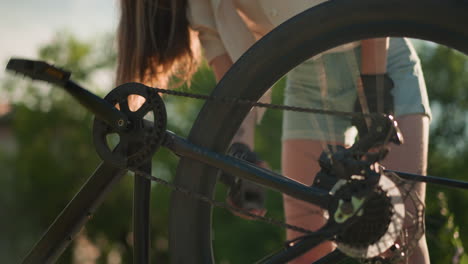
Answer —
(390, 225)
(379, 221)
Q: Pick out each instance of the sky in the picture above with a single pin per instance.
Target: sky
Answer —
(26, 24)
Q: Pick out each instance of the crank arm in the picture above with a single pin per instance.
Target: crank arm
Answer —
(40, 70)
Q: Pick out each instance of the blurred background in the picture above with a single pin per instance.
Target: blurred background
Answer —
(46, 150)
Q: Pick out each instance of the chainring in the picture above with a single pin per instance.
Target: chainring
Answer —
(142, 137)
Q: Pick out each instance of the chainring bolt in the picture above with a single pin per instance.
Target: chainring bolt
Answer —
(121, 123)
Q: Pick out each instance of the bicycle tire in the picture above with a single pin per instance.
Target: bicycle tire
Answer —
(340, 21)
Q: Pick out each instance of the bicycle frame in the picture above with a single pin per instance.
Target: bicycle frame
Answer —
(81, 208)
(84, 204)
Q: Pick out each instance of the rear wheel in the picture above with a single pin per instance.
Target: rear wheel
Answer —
(306, 35)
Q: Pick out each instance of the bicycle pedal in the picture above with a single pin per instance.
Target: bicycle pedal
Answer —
(247, 195)
(38, 70)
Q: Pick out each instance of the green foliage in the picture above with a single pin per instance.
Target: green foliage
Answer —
(447, 216)
(83, 59)
(443, 233)
(445, 72)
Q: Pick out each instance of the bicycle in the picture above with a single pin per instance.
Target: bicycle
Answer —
(341, 21)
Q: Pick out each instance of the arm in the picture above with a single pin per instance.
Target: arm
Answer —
(202, 19)
(375, 86)
(220, 65)
(246, 132)
(374, 56)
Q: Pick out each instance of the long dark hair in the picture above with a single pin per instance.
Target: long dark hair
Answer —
(155, 42)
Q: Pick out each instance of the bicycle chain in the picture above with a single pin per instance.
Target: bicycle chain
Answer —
(265, 105)
(224, 205)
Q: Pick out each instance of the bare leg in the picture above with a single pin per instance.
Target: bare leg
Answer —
(412, 157)
(299, 162)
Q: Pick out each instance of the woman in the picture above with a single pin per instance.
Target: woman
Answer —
(155, 43)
